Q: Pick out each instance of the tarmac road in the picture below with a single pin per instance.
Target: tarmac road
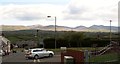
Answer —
(20, 57)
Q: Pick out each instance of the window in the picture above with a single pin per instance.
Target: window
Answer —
(37, 50)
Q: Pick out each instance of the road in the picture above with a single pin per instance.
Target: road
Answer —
(19, 57)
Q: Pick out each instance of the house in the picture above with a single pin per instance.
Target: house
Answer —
(5, 44)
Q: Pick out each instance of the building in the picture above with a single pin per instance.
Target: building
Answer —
(5, 44)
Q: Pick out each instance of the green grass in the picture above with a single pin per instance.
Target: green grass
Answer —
(82, 49)
(55, 50)
(104, 58)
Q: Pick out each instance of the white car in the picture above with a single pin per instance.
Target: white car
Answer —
(38, 53)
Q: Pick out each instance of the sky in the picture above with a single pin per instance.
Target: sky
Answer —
(69, 13)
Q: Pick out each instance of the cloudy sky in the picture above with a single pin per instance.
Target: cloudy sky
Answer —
(70, 13)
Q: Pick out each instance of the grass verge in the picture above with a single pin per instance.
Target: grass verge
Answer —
(104, 58)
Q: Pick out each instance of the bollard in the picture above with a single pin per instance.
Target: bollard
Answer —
(86, 55)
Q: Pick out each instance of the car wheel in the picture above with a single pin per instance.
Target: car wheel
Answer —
(36, 56)
(50, 55)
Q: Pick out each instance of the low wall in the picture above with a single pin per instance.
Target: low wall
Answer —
(77, 55)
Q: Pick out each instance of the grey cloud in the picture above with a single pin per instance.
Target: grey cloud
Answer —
(27, 17)
(77, 17)
(21, 14)
(76, 13)
(112, 14)
(76, 10)
(84, 13)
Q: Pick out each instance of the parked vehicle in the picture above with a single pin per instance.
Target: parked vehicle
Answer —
(2, 53)
(38, 53)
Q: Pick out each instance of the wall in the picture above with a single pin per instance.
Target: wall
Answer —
(78, 56)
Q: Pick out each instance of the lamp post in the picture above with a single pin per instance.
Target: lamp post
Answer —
(37, 38)
(110, 30)
(55, 29)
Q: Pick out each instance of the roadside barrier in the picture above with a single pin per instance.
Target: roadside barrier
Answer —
(112, 46)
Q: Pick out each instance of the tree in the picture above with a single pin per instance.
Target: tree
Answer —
(74, 38)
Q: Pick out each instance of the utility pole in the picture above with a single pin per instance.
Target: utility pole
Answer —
(55, 18)
(110, 31)
(37, 38)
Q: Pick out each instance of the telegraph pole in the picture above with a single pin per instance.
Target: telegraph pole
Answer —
(110, 31)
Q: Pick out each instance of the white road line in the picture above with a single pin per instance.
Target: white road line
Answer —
(34, 60)
(38, 60)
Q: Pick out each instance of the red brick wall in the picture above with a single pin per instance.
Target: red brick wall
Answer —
(77, 55)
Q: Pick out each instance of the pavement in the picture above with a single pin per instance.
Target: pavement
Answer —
(20, 57)
(0, 59)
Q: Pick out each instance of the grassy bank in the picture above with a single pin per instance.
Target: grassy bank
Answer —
(104, 58)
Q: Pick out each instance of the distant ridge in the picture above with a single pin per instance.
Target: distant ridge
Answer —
(13, 27)
(93, 28)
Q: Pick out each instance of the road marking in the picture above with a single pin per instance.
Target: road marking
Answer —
(36, 60)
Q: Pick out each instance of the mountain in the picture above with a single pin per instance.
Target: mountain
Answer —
(36, 27)
(102, 28)
(94, 28)
(13, 27)
(81, 28)
(51, 28)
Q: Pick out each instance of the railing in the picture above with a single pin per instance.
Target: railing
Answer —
(102, 50)
(105, 49)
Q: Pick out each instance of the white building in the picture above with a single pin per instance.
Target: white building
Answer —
(5, 44)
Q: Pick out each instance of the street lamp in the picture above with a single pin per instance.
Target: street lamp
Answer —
(55, 29)
(37, 37)
(110, 30)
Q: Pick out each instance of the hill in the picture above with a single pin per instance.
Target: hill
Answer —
(94, 28)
